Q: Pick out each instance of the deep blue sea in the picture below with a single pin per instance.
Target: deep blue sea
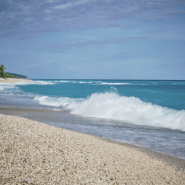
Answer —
(150, 114)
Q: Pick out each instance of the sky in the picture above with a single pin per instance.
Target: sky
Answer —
(93, 39)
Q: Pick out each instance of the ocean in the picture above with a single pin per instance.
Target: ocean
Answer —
(146, 113)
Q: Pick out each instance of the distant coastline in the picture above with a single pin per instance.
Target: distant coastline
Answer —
(17, 75)
(4, 74)
(6, 77)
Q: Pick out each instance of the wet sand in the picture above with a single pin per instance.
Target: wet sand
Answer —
(35, 153)
(13, 80)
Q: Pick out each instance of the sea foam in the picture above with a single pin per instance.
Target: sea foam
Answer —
(36, 83)
(128, 109)
(115, 107)
(107, 83)
(4, 86)
(57, 102)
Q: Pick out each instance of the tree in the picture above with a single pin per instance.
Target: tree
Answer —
(2, 70)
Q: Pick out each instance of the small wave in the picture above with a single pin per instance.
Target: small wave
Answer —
(106, 83)
(179, 83)
(4, 86)
(56, 102)
(85, 82)
(67, 81)
(36, 83)
(64, 81)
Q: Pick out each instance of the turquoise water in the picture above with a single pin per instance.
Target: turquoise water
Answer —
(146, 113)
(169, 94)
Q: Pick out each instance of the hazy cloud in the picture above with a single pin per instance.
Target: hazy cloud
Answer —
(35, 17)
(72, 4)
(58, 47)
(40, 63)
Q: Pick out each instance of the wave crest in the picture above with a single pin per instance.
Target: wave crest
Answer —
(115, 107)
(128, 109)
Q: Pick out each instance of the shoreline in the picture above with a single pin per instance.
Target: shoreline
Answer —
(37, 153)
(178, 162)
(13, 80)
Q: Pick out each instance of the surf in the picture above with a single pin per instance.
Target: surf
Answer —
(112, 106)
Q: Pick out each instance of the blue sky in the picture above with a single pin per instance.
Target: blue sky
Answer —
(93, 39)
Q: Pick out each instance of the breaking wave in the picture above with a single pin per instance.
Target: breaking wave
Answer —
(115, 107)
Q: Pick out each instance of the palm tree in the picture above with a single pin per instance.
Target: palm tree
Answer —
(2, 70)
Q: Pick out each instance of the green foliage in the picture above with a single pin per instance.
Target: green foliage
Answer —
(5, 75)
(17, 75)
(9, 75)
(2, 73)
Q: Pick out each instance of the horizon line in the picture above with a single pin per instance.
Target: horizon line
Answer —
(103, 79)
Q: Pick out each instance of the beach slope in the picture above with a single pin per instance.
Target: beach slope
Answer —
(35, 153)
(13, 80)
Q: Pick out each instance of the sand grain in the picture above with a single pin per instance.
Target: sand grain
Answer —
(35, 153)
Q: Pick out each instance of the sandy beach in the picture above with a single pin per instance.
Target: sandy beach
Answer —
(13, 80)
(35, 153)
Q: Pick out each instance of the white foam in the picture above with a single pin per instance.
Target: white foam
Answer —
(68, 81)
(4, 86)
(128, 109)
(11, 85)
(36, 83)
(85, 82)
(56, 102)
(64, 81)
(178, 83)
(106, 83)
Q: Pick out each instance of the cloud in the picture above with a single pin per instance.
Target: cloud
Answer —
(40, 63)
(23, 18)
(72, 4)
